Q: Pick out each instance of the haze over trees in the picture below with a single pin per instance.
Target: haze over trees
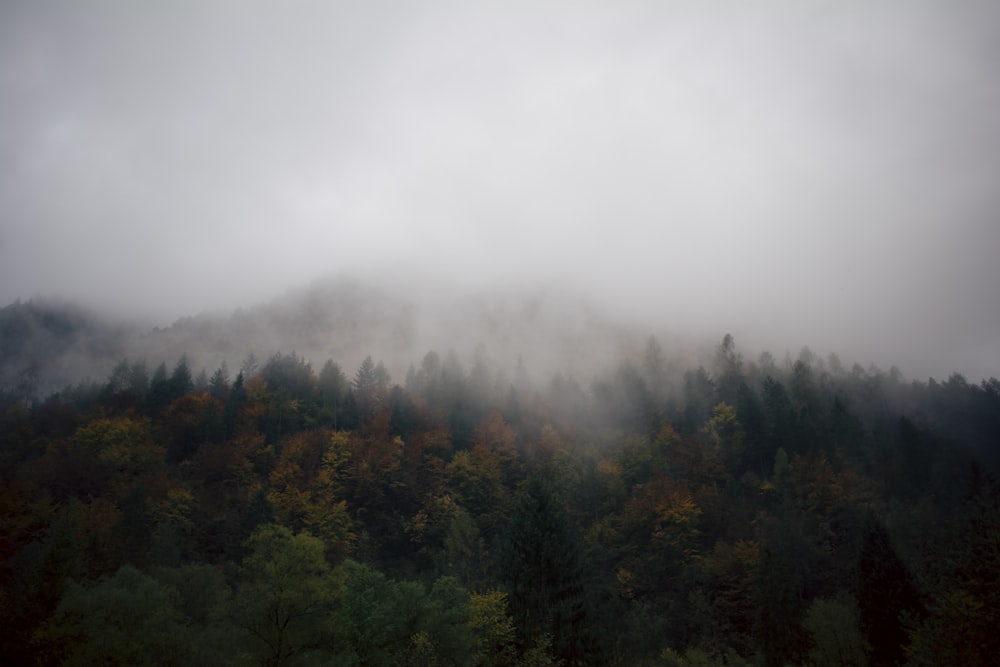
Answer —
(660, 511)
(546, 401)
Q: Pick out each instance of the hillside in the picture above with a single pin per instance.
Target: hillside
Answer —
(659, 511)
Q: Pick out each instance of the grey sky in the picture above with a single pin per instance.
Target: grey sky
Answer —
(797, 173)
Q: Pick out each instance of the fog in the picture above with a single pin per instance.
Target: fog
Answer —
(820, 174)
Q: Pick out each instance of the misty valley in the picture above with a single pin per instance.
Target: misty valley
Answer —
(645, 508)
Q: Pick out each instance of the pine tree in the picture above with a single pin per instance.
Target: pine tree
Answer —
(541, 568)
(886, 593)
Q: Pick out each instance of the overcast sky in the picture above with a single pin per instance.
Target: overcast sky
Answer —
(796, 173)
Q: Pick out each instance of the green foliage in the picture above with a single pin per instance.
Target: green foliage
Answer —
(383, 622)
(464, 550)
(128, 618)
(493, 629)
(283, 596)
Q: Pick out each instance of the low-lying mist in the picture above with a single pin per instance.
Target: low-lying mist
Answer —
(514, 334)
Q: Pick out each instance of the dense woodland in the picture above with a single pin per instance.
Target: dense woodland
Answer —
(740, 512)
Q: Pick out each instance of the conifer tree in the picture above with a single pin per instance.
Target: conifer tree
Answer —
(886, 593)
(541, 568)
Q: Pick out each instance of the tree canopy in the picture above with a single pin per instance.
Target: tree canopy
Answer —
(738, 512)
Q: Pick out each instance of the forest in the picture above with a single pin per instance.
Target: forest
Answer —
(741, 511)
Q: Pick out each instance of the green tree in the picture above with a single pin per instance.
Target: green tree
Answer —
(725, 433)
(283, 596)
(384, 622)
(541, 569)
(464, 552)
(126, 619)
(493, 629)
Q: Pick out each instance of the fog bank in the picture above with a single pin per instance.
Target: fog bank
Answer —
(820, 174)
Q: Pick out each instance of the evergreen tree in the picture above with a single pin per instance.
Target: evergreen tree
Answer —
(370, 383)
(886, 593)
(159, 395)
(331, 386)
(727, 370)
(964, 603)
(180, 381)
(779, 606)
(218, 385)
(541, 568)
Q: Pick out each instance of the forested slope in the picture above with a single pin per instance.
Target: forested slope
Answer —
(738, 512)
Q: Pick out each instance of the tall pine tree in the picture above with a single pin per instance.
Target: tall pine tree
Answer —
(886, 593)
(541, 568)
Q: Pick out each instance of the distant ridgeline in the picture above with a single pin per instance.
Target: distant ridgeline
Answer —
(654, 511)
(49, 345)
(45, 345)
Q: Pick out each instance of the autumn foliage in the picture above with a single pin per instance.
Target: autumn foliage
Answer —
(745, 513)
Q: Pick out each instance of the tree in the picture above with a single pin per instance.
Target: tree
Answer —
(126, 385)
(699, 398)
(886, 595)
(180, 381)
(291, 373)
(779, 606)
(373, 484)
(476, 478)
(543, 575)
(727, 370)
(729, 571)
(779, 416)
(283, 596)
(332, 388)
(128, 618)
(218, 384)
(726, 434)
(159, 395)
(370, 385)
(654, 368)
(384, 622)
(464, 551)
(305, 488)
(190, 421)
(493, 629)
(833, 625)
(783, 578)
(964, 607)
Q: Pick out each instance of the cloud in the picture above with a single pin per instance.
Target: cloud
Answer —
(817, 174)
